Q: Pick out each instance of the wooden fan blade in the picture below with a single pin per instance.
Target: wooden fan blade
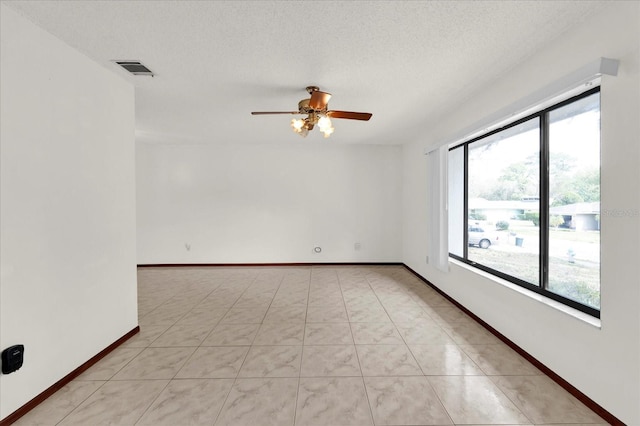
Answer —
(274, 112)
(319, 100)
(350, 115)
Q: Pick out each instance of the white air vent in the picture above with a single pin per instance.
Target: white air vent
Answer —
(135, 67)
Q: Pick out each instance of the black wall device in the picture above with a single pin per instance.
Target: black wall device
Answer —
(12, 358)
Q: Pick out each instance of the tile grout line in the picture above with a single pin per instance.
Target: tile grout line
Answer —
(214, 326)
(509, 399)
(304, 332)
(440, 399)
(364, 386)
(82, 402)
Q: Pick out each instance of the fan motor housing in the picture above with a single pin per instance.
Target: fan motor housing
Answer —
(304, 108)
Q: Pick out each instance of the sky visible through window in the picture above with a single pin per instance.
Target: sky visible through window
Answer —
(583, 129)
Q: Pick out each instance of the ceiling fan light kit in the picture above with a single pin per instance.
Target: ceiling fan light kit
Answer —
(316, 110)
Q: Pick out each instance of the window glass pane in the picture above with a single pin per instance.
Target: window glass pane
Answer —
(574, 200)
(503, 206)
(456, 201)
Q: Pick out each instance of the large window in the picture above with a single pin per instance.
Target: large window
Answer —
(524, 202)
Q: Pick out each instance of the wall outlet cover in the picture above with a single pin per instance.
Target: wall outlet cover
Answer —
(12, 358)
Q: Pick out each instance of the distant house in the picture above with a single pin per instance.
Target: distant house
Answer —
(503, 210)
(579, 216)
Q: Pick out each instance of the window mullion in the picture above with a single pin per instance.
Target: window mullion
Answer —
(544, 200)
(465, 207)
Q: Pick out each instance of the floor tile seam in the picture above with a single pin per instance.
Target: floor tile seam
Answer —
(402, 377)
(433, 389)
(486, 373)
(182, 346)
(224, 403)
(209, 346)
(152, 311)
(304, 326)
(154, 400)
(270, 303)
(451, 334)
(297, 376)
(366, 394)
(157, 306)
(353, 340)
(354, 344)
(127, 363)
(83, 401)
(512, 375)
(386, 312)
(295, 403)
(244, 359)
(159, 379)
(322, 344)
(277, 346)
(204, 346)
(361, 370)
(395, 326)
(186, 361)
(171, 324)
(328, 376)
(386, 376)
(515, 403)
(201, 299)
(255, 277)
(392, 344)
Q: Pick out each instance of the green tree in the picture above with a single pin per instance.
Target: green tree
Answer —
(561, 164)
(568, 197)
(522, 179)
(474, 215)
(502, 225)
(586, 183)
(516, 181)
(533, 217)
(555, 220)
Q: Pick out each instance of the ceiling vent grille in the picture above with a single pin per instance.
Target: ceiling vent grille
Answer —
(135, 67)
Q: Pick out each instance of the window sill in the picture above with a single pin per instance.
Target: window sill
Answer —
(595, 322)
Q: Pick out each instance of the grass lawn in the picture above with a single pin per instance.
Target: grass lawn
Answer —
(559, 234)
(579, 281)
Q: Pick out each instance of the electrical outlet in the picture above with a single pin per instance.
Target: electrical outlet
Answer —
(357, 246)
(187, 246)
(427, 259)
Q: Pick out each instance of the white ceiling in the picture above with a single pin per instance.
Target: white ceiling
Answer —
(408, 63)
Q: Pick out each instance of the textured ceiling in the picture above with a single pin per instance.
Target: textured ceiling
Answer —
(408, 63)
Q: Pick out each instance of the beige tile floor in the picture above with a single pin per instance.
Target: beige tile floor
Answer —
(306, 346)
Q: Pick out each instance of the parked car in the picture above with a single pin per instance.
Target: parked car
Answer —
(477, 236)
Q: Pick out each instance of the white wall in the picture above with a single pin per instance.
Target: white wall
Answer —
(602, 363)
(67, 200)
(268, 204)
